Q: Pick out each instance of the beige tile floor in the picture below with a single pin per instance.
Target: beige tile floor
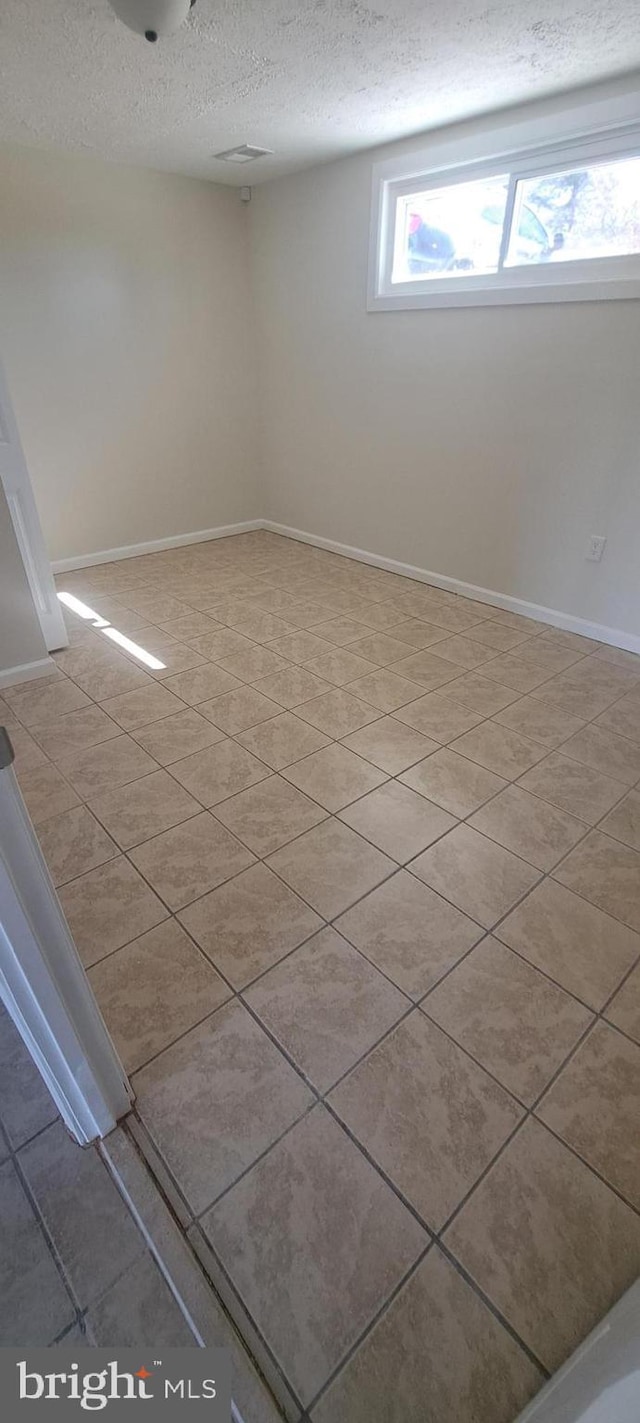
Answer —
(356, 879)
(74, 1268)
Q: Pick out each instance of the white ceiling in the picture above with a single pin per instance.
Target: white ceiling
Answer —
(311, 79)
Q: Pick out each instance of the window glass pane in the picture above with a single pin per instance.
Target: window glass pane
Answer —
(447, 232)
(588, 212)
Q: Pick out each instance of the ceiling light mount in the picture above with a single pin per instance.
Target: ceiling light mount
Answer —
(152, 18)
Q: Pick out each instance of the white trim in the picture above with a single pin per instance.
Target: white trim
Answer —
(44, 986)
(567, 622)
(591, 129)
(113, 555)
(27, 671)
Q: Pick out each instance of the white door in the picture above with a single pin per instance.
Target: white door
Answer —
(24, 514)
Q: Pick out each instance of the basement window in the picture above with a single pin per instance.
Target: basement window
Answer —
(544, 224)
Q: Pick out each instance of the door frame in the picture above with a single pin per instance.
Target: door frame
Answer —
(16, 482)
(43, 983)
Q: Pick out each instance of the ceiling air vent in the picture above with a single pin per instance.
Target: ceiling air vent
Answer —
(244, 153)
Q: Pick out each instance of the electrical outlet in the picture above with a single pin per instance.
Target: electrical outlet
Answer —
(595, 547)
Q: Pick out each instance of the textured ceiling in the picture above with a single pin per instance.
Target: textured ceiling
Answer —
(310, 79)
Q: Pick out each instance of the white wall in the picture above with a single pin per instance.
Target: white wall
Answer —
(481, 443)
(125, 332)
(21, 639)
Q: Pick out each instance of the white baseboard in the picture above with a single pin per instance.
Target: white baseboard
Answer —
(27, 672)
(567, 622)
(112, 555)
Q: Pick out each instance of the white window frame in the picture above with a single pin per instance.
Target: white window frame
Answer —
(605, 129)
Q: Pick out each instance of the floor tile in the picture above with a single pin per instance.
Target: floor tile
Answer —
(27, 755)
(497, 636)
(513, 671)
(268, 815)
(624, 1009)
(34, 1304)
(74, 732)
(381, 616)
(508, 753)
(137, 708)
(218, 772)
(153, 604)
(427, 669)
(251, 666)
(154, 990)
(584, 950)
(510, 1018)
(25, 1103)
(290, 688)
(354, 1242)
(201, 683)
(190, 859)
(36, 703)
(46, 793)
(139, 1310)
(480, 695)
(594, 1106)
(134, 813)
(216, 1099)
(549, 1243)
(338, 713)
(113, 763)
(530, 827)
(299, 647)
(282, 740)
(341, 631)
(249, 923)
(606, 873)
(235, 711)
(385, 689)
(410, 933)
(623, 718)
(583, 694)
(326, 1005)
(573, 787)
(73, 843)
(437, 1353)
(222, 643)
(107, 908)
(463, 652)
(612, 755)
(428, 1115)
(379, 648)
(436, 716)
(390, 745)
(175, 737)
(340, 665)
(260, 625)
(90, 1225)
(624, 822)
(334, 776)
(419, 634)
(331, 867)
(551, 726)
(478, 876)
(111, 677)
(191, 626)
(453, 782)
(397, 820)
